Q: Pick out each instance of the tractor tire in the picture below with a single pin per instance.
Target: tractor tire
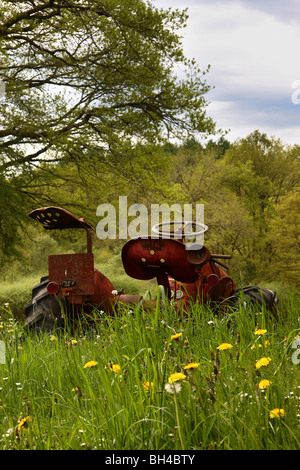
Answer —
(44, 312)
(253, 298)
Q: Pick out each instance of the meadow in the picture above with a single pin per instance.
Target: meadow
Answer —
(154, 381)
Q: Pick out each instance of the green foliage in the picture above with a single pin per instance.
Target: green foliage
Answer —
(70, 396)
(248, 191)
(86, 86)
(96, 78)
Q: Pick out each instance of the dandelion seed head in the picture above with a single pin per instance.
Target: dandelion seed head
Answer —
(173, 387)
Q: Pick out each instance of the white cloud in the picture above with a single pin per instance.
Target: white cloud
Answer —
(253, 49)
(247, 49)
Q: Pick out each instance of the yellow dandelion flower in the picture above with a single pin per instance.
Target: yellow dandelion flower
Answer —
(267, 343)
(264, 383)
(192, 365)
(74, 341)
(176, 336)
(90, 364)
(256, 346)
(260, 332)
(277, 413)
(23, 423)
(175, 377)
(115, 368)
(264, 361)
(147, 385)
(53, 338)
(224, 346)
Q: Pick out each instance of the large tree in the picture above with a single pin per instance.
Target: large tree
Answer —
(90, 82)
(92, 78)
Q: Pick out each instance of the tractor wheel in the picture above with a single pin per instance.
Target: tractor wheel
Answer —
(44, 312)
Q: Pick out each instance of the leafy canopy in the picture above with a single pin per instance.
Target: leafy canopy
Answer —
(86, 77)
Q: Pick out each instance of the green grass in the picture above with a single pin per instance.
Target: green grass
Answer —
(219, 406)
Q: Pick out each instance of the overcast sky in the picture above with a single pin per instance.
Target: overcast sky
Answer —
(253, 47)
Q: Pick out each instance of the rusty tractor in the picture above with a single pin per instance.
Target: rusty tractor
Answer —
(74, 288)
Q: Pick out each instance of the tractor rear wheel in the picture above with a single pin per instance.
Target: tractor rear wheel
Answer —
(44, 312)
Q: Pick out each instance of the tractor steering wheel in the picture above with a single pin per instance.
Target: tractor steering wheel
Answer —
(185, 223)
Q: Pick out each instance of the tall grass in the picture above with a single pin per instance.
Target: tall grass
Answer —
(69, 402)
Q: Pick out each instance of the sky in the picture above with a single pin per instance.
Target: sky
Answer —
(253, 49)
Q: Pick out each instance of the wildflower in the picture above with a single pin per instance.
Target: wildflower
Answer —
(114, 292)
(192, 365)
(73, 341)
(147, 385)
(277, 413)
(264, 361)
(264, 383)
(23, 423)
(53, 338)
(224, 346)
(90, 364)
(115, 368)
(260, 332)
(175, 377)
(267, 343)
(176, 336)
(77, 392)
(173, 388)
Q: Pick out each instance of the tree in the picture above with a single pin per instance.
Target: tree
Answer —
(90, 82)
(261, 171)
(285, 239)
(88, 79)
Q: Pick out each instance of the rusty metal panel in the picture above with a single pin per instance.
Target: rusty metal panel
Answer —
(146, 258)
(73, 267)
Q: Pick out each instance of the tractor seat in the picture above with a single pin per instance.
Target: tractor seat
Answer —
(58, 218)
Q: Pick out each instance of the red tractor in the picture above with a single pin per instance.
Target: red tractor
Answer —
(74, 287)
